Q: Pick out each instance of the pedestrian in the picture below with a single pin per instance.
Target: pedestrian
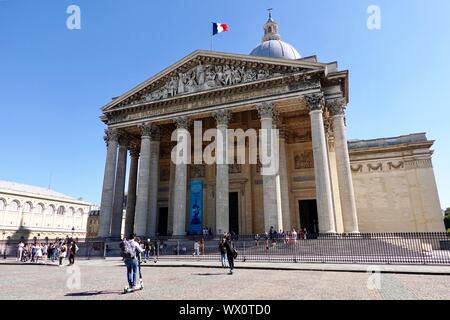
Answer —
(202, 246)
(62, 253)
(38, 253)
(147, 245)
(72, 251)
(20, 249)
(223, 253)
(196, 249)
(33, 252)
(45, 251)
(256, 239)
(231, 253)
(129, 249)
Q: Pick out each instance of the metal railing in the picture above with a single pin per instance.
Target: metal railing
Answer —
(374, 248)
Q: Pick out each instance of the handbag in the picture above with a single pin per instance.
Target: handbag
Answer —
(235, 253)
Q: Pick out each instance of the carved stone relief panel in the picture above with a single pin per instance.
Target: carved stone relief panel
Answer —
(304, 160)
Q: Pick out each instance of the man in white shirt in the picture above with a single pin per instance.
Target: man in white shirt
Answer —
(20, 248)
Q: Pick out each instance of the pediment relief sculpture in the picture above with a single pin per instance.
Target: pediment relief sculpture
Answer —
(208, 76)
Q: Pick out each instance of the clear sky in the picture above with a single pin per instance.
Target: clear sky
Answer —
(53, 81)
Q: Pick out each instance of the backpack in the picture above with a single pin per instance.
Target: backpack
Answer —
(126, 250)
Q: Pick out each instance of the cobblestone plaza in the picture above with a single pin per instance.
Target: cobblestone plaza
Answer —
(104, 280)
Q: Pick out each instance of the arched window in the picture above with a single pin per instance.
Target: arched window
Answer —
(13, 206)
(39, 209)
(2, 204)
(27, 207)
(50, 209)
(71, 211)
(79, 212)
(61, 210)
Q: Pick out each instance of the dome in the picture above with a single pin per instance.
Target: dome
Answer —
(276, 49)
(272, 46)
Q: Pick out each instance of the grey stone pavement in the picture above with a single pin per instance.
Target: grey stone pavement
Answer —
(167, 279)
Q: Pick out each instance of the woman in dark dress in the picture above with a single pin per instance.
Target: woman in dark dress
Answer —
(231, 252)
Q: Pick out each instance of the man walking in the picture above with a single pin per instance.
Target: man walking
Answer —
(128, 249)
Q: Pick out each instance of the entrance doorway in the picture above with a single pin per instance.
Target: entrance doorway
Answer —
(308, 215)
(163, 221)
(233, 202)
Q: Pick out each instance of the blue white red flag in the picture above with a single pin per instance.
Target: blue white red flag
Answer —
(219, 27)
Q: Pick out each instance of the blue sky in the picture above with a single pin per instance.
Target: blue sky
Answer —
(53, 81)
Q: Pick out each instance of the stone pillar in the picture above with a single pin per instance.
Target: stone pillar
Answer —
(222, 118)
(141, 212)
(106, 203)
(284, 182)
(154, 181)
(321, 167)
(119, 189)
(132, 186)
(180, 186)
(271, 179)
(346, 192)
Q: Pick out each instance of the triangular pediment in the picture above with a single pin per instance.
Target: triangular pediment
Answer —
(206, 70)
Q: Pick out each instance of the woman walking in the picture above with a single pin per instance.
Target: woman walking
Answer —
(231, 253)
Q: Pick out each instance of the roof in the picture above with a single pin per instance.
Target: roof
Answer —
(387, 142)
(276, 49)
(19, 188)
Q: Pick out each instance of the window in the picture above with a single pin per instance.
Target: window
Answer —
(50, 209)
(27, 207)
(2, 204)
(39, 209)
(61, 210)
(13, 206)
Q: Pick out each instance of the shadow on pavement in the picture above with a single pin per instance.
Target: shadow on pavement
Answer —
(209, 274)
(92, 293)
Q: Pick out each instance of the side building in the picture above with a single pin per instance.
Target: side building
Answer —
(30, 212)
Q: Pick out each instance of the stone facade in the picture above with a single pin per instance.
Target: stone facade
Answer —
(395, 187)
(323, 184)
(32, 212)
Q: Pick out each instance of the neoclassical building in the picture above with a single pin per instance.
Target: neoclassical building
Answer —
(324, 183)
(28, 212)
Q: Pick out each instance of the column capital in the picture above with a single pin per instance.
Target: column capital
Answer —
(336, 106)
(124, 138)
(266, 110)
(134, 150)
(150, 130)
(111, 135)
(182, 122)
(315, 101)
(222, 117)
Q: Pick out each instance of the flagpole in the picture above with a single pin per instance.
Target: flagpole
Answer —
(212, 37)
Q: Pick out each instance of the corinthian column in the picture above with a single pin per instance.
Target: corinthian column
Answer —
(154, 180)
(346, 192)
(106, 204)
(141, 213)
(269, 149)
(119, 188)
(182, 159)
(132, 184)
(222, 118)
(284, 182)
(321, 167)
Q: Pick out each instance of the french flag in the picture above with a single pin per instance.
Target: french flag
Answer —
(219, 27)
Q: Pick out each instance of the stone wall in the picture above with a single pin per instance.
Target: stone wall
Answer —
(395, 187)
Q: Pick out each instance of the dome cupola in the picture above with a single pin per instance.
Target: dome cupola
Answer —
(272, 46)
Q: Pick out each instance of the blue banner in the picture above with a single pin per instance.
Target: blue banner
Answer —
(196, 207)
